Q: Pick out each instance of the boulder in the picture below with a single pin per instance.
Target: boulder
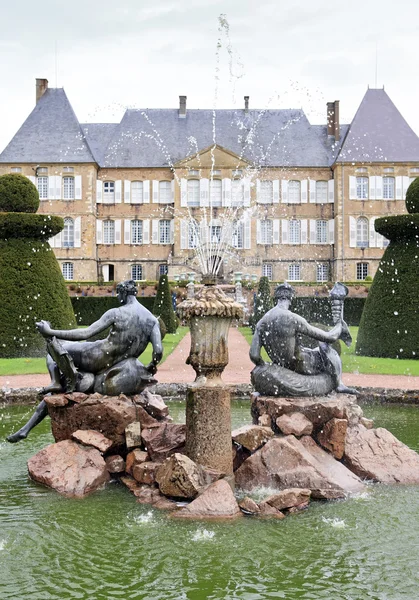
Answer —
(89, 437)
(265, 421)
(69, 468)
(133, 435)
(136, 457)
(367, 423)
(56, 400)
(249, 506)
(333, 436)
(153, 404)
(252, 437)
(180, 477)
(146, 420)
(216, 502)
(294, 424)
(353, 414)
(377, 455)
(77, 397)
(267, 510)
(160, 442)
(145, 472)
(289, 498)
(115, 464)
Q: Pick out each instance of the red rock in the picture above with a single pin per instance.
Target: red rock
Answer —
(115, 464)
(129, 482)
(133, 435)
(216, 502)
(289, 498)
(146, 494)
(77, 397)
(333, 436)
(136, 457)
(145, 472)
(377, 455)
(70, 469)
(249, 506)
(180, 477)
(267, 510)
(164, 440)
(89, 437)
(295, 424)
(153, 404)
(367, 423)
(252, 437)
(146, 420)
(56, 400)
(265, 421)
(298, 508)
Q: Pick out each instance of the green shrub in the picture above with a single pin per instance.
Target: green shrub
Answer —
(412, 197)
(262, 303)
(309, 342)
(163, 306)
(163, 328)
(18, 194)
(89, 309)
(317, 309)
(20, 225)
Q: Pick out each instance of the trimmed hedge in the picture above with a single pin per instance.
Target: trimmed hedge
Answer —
(163, 306)
(399, 228)
(89, 309)
(412, 197)
(263, 302)
(24, 225)
(318, 310)
(18, 194)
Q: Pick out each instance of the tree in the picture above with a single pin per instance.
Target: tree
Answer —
(262, 303)
(163, 306)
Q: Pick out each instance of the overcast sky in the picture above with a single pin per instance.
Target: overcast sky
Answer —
(297, 54)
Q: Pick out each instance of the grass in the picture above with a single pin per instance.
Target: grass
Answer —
(352, 363)
(31, 366)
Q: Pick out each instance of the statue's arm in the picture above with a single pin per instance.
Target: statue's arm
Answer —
(155, 339)
(78, 335)
(304, 328)
(255, 348)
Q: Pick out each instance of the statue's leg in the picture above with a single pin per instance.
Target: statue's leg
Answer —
(55, 386)
(64, 362)
(38, 416)
(333, 366)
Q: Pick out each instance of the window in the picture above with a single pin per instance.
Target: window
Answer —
(389, 170)
(42, 184)
(137, 272)
(163, 269)
(362, 188)
(237, 173)
(164, 232)
(68, 169)
(68, 271)
(322, 272)
(388, 188)
(238, 235)
(16, 170)
(361, 270)
(136, 232)
(193, 192)
(267, 271)
(361, 170)
(414, 170)
(294, 231)
(42, 170)
(215, 234)
(68, 233)
(136, 192)
(216, 172)
(193, 173)
(294, 272)
(215, 192)
(68, 188)
(266, 192)
(108, 232)
(362, 234)
(165, 192)
(266, 231)
(109, 192)
(321, 232)
(193, 234)
(321, 191)
(237, 192)
(294, 192)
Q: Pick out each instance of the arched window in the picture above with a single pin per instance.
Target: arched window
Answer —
(215, 192)
(68, 271)
(68, 233)
(193, 192)
(362, 234)
(294, 192)
(137, 272)
(165, 192)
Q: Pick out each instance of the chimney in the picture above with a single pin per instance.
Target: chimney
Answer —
(41, 88)
(333, 127)
(182, 107)
(246, 104)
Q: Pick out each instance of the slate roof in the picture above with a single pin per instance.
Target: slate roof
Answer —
(379, 133)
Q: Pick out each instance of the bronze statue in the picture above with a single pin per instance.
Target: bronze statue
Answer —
(295, 370)
(109, 366)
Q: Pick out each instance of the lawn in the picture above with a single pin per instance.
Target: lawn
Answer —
(31, 366)
(362, 364)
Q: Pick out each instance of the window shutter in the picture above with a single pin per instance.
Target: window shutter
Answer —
(331, 231)
(352, 232)
(172, 190)
(118, 191)
(146, 231)
(304, 239)
(183, 193)
(378, 188)
(99, 189)
(284, 226)
(77, 187)
(58, 187)
(155, 231)
(33, 179)
(275, 229)
(127, 192)
(172, 231)
(77, 232)
(127, 231)
(258, 198)
(331, 190)
(59, 240)
(226, 191)
(304, 186)
(184, 227)
(247, 234)
(399, 188)
(258, 232)
(372, 188)
(312, 191)
(155, 187)
(284, 190)
(373, 239)
(118, 237)
(275, 185)
(51, 241)
(105, 273)
(246, 191)
(146, 192)
(352, 188)
(406, 183)
(204, 192)
(313, 227)
(51, 187)
(99, 229)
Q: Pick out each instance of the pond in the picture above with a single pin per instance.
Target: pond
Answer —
(109, 547)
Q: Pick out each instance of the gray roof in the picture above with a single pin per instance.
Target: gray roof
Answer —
(51, 134)
(98, 136)
(379, 133)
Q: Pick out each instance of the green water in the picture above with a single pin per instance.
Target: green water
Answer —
(109, 547)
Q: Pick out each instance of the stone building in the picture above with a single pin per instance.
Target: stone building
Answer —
(262, 192)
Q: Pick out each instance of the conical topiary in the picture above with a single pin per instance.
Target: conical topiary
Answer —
(31, 283)
(262, 303)
(163, 306)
